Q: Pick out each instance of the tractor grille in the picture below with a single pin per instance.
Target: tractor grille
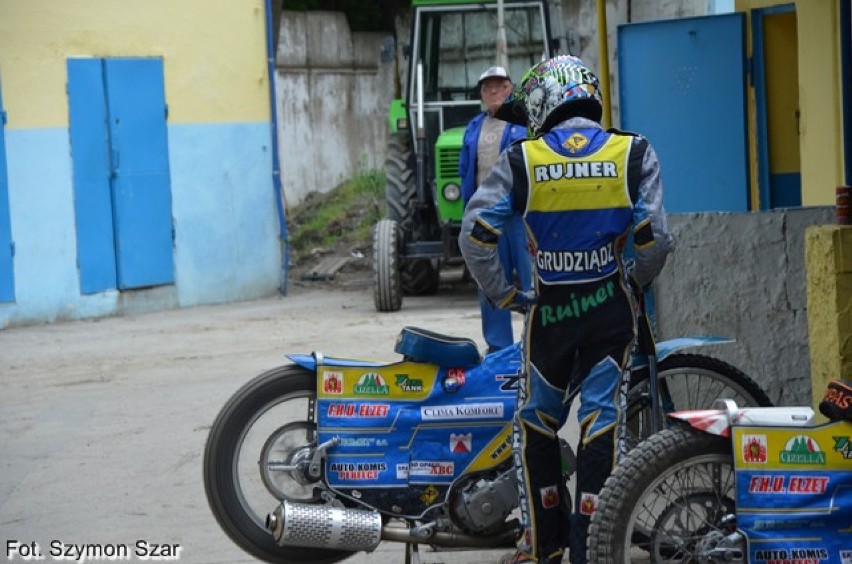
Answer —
(448, 163)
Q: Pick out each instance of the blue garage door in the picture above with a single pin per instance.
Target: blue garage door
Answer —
(682, 83)
(121, 174)
(7, 274)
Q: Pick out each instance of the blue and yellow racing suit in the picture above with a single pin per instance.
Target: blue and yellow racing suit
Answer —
(581, 191)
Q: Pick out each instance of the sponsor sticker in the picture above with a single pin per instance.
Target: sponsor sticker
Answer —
(360, 471)
(502, 447)
(461, 443)
(368, 410)
(332, 382)
(588, 503)
(462, 411)
(844, 446)
(430, 468)
(509, 382)
(371, 384)
(754, 449)
(454, 380)
(408, 384)
(402, 471)
(792, 555)
(802, 449)
(429, 495)
(777, 484)
(549, 496)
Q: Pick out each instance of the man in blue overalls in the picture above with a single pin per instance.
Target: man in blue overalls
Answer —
(484, 139)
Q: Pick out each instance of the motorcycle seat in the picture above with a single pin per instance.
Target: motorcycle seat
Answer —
(422, 345)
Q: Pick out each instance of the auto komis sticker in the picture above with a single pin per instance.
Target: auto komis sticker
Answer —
(361, 471)
(792, 556)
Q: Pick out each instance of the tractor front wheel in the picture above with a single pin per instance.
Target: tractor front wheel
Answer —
(387, 289)
(421, 276)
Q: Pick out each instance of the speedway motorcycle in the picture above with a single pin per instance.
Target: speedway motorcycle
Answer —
(325, 457)
(765, 485)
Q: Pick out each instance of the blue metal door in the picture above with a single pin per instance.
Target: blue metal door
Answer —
(121, 174)
(140, 173)
(7, 273)
(682, 84)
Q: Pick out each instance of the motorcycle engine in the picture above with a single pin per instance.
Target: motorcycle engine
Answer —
(481, 505)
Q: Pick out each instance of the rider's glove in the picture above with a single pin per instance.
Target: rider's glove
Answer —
(522, 301)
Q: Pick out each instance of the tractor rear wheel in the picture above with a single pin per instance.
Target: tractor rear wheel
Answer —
(420, 276)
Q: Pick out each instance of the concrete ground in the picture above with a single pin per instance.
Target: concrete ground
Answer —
(103, 422)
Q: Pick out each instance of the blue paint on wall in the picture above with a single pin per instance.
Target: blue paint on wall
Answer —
(227, 242)
(226, 229)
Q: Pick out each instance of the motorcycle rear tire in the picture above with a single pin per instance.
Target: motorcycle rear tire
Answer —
(236, 518)
(694, 381)
(639, 483)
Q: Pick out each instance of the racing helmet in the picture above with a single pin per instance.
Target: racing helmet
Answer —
(556, 89)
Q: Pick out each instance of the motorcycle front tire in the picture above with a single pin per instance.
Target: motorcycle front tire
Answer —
(643, 483)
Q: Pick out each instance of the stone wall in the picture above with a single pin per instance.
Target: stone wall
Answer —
(334, 88)
(742, 275)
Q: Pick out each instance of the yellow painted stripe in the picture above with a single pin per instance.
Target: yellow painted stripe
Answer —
(214, 54)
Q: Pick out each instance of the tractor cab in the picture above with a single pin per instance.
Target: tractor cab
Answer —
(451, 44)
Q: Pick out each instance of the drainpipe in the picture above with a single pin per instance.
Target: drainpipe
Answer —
(276, 166)
(603, 63)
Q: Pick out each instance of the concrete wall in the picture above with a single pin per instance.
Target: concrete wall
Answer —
(743, 275)
(334, 89)
(828, 250)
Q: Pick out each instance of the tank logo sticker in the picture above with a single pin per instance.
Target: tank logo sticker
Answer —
(844, 446)
(408, 384)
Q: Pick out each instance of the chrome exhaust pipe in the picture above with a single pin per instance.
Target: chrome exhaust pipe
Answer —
(324, 526)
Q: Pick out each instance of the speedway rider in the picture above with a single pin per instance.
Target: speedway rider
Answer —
(580, 189)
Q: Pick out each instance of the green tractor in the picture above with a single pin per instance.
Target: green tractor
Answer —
(451, 44)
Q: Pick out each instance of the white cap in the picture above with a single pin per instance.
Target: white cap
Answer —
(493, 72)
